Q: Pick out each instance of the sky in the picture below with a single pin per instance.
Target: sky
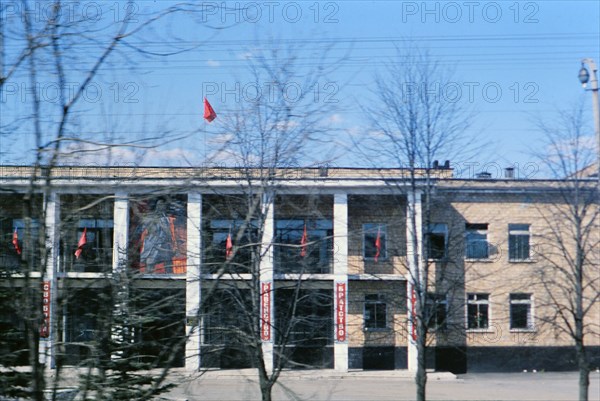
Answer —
(512, 63)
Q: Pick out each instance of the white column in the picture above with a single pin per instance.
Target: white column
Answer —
(266, 281)
(412, 205)
(119, 266)
(340, 282)
(47, 351)
(120, 231)
(192, 280)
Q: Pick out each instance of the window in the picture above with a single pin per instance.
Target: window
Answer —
(242, 246)
(436, 311)
(520, 311)
(437, 240)
(96, 252)
(291, 256)
(478, 308)
(374, 245)
(518, 241)
(375, 312)
(476, 241)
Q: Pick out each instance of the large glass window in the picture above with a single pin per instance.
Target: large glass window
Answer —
(303, 246)
(518, 242)
(231, 241)
(478, 311)
(476, 241)
(375, 312)
(20, 237)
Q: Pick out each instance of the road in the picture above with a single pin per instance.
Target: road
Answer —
(549, 386)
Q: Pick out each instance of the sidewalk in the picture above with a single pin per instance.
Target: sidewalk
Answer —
(319, 374)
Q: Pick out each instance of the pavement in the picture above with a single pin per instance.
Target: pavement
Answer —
(383, 385)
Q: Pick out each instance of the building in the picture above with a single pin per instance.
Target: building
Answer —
(311, 263)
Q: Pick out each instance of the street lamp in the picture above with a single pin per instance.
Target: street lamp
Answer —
(584, 77)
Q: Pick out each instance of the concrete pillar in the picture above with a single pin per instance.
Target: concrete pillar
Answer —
(266, 281)
(119, 266)
(413, 205)
(192, 279)
(120, 231)
(340, 282)
(48, 327)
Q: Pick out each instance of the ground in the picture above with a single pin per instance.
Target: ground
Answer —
(316, 385)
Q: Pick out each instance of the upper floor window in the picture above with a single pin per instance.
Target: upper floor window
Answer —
(437, 241)
(87, 247)
(19, 239)
(478, 308)
(521, 314)
(518, 241)
(303, 246)
(375, 311)
(476, 241)
(230, 240)
(375, 241)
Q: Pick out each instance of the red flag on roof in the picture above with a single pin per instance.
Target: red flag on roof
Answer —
(228, 247)
(81, 243)
(15, 241)
(209, 112)
(378, 244)
(303, 242)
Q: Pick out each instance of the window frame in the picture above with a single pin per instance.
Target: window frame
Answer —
(378, 300)
(371, 229)
(517, 299)
(476, 229)
(477, 302)
(516, 230)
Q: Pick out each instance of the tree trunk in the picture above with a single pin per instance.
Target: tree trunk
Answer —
(421, 377)
(584, 383)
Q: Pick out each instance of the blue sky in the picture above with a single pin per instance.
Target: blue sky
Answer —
(513, 61)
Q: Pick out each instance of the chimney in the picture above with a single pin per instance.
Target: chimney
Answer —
(447, 164)
(436, 164)
(509, 173)
(484, 175)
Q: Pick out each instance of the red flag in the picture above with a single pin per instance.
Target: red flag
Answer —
(228, 247)
(15, 241)
(303, 242)
(209, 112)
(81, 243)
(378, 244)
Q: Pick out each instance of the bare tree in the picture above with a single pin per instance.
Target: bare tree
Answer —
(39, 42)
(415, 124)
(569, 246)
(267, 134)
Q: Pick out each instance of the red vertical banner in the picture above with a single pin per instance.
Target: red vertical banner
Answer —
(340, 312)
(45, 324)
(265, 314)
